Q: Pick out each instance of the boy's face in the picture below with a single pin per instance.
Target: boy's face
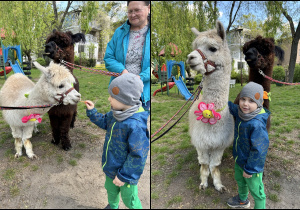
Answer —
(117, 105)
(247, 105)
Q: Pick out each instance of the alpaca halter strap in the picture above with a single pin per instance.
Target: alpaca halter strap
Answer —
(63, 95)
(206, 62)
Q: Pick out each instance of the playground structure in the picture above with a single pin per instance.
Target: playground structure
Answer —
(168, 75)
(171, 76)
(11, 60)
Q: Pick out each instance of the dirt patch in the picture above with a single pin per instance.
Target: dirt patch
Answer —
(60, 179)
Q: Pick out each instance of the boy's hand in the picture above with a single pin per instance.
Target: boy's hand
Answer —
(246, 175)
(89, 105)
(117, 182)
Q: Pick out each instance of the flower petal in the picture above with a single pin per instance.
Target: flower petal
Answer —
(202, 106)
(210, 106)
(200, 117)
(217, 115)
(212, 121)
(198, 113)
(205, 120)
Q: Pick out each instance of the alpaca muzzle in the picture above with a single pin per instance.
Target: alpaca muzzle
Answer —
(63, 95)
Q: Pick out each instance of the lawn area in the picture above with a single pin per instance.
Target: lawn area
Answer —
(174, 165)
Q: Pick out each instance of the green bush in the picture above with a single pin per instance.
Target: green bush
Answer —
(297, 73)
(92, 62)
(237, 76)
(278, 73)
(41, 61)
(198, 78)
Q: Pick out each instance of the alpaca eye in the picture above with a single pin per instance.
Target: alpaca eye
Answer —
(213, 49)
(61, 86)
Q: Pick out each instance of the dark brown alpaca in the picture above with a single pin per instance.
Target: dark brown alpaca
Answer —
(259, 54)
(60, 46)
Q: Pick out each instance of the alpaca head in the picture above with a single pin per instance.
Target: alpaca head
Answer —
(60, 45)
(260, 52)
(213, 45)
(56, 83)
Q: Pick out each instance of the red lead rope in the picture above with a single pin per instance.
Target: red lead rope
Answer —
(95, 71)
(25, 107)
(273, 80)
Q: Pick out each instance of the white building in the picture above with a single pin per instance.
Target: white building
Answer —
(91, 47)
(236, 38)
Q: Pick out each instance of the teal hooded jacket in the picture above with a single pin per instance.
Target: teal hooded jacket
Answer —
(115, 57)
(251, 140)
(126, 144)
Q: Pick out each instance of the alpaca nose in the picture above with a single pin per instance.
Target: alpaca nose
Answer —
(191, 57)
(251, 52)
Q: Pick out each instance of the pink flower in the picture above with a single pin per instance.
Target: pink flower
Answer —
(32, 117)
(207, 113)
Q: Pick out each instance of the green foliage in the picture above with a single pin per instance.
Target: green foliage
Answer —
(41, 61)
(91, 62)
(198, 78)
(26, 23)
(171, 21)
(297, 73)
(237, 76)
(278, 73)
(89, 12)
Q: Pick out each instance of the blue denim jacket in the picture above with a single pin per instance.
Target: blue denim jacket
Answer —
(115, 56)
(126, 144)
(251, 140)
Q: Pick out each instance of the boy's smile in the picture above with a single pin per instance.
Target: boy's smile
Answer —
(247, 105)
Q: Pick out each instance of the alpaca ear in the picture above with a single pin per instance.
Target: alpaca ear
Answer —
(78, 37)
(220, 30)
(195, 31)
(40, 67)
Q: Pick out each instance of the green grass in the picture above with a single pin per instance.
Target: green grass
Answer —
(73, 162)
(174, 156)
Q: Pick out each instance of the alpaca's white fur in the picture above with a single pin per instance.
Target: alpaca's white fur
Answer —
(211, 140)
(56, 79)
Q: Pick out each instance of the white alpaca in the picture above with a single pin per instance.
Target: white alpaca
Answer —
(211, 140)
(54, 82)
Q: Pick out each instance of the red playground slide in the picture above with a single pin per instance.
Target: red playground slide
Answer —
(171, 84)
(7, 70)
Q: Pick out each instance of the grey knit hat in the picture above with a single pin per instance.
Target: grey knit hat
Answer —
(254, 91)
(127, 89)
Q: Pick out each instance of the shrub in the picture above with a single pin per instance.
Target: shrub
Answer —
(41, 61)
(237, 76)
(198, 78)
(278, 73)
(297, 73)
(91, 62)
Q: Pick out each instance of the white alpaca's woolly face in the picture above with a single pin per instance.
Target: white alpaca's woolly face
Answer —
(58, 82)
(213, 45)
(73, 97)
(210, 48)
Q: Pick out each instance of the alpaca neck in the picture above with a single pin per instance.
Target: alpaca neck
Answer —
(216, 90)
(256, 77)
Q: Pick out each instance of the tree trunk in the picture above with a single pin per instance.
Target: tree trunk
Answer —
(293, 57)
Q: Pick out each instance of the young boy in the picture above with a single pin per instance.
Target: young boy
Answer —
(250, 146)
(126, 142)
